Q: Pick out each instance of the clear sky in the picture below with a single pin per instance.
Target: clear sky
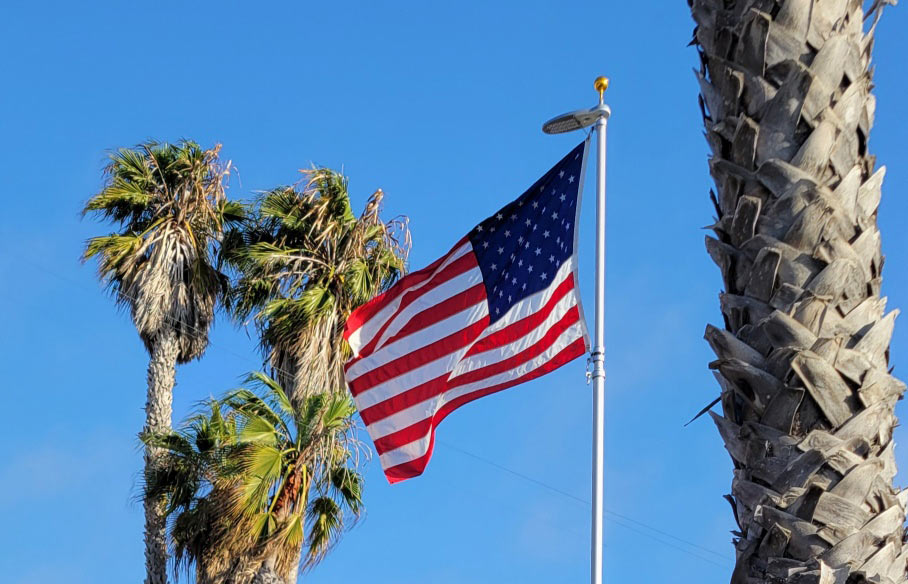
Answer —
(439, 104)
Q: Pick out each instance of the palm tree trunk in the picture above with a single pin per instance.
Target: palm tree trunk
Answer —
(158, 414)
(803, 359)
(267, 574)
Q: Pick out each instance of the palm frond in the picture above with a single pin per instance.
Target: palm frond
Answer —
(325, 521)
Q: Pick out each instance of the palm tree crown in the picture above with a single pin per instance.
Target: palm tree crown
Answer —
(304, 265)
(169, 202)
(252, 480)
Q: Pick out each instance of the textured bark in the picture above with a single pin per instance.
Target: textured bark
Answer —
(803, 358)
(267, 575)
(158, 413)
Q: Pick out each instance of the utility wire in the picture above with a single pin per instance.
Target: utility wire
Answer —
(616, 518)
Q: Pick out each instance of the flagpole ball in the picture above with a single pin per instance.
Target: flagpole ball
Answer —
(601, 84)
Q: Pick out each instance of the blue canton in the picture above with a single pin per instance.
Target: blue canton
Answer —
(521, 247)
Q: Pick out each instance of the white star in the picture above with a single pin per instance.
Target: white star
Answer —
(553, 190)
(494, 267)
(513, 217)
(507, 233)
(543, 275)
(520, 203)
(561, 174)
(528, 222)
(535, 204)
(509, 297)
(497, 311)
(500, 250)
(513, 280)
(554, 214)
(567, 225)
(524, 287)
(571, 178)
(530, 269)
(512, 257)
(551, 259)
(527, 245)
(499, 216)
(534, 227)
(545, 233)
(519, 263)
(562, 197)
(538, 250)
(501, 294)
(520, 239)
(485, 245)
(492, 229)
(479, 228)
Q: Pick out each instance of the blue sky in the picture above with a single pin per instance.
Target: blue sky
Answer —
(439, 104)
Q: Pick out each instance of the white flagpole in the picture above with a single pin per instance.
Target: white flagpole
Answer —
(598, 353)
(598, 118)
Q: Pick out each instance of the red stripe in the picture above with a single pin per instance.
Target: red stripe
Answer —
(523, 326)
(459, 266)
(442, 310)
(570, 318)
(416, 467)
(371, 308)
(427, 354)
(437, 313)
(403, 436)
(439, 386)
(402, 401)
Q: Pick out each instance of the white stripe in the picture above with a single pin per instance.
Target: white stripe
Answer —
(409, 380)
(498, 354)
(409, 416)
(419, 339)
(430, 299)
(406, 453)
(446, 364)
(361, 336)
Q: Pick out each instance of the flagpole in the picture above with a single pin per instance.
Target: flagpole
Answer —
(598, 352)
(597, 117)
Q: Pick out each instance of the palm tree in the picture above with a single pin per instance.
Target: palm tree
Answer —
(803, 358)
(168, 203)
(304, 265)
(253, 480)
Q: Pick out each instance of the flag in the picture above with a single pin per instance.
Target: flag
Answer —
(500, 308)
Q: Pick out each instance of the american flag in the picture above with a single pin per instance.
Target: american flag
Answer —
(499, 309)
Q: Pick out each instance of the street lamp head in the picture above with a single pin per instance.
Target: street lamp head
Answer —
(581, 118)
(576, 120)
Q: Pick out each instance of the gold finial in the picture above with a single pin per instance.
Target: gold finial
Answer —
(601, 84)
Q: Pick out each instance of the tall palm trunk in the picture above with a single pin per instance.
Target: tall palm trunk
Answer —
(803, 359)
(158, 414)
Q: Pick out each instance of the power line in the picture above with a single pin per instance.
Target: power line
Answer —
(615, 517)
